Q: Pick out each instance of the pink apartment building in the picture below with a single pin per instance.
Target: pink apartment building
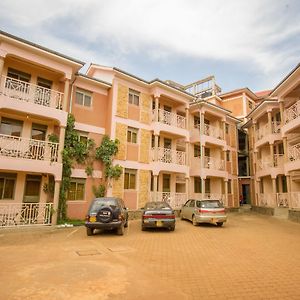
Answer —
(176, 141)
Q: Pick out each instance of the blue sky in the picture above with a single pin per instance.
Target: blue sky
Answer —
(243, 43)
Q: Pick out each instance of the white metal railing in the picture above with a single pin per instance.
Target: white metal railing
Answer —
(262, 132)
(32, 93)
(171, 119)
(294, 152)
(169, 156)
(176, 200)
(295, 200)
(292, 112)
(282, 200)
(213, 163)
(19, 147)
(25, 214)
(213, 131)
(276, 126)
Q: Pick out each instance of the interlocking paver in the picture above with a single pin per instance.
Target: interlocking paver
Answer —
(251, 257)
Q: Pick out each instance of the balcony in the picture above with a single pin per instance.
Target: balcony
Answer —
(293, 162)
(211, 134)
(263, 133)
(14, 214)
(175, 200)
(213, 163)
(23, 148)
(292, 113)
(213, 131)
(31, 93)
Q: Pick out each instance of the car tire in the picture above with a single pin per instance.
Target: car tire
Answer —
(89, 231)
(143, 228)
(126, 224)
(172, 228)
(219, 224)
(120, 230)
(194, 221)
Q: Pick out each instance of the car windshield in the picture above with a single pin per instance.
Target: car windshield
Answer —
(157, 205)
(98, 204)
(209, 204)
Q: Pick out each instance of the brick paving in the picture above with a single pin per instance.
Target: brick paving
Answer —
(251, 257)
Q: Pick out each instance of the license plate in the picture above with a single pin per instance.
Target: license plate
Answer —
(159, 223)
(105, 213)
(92, 219)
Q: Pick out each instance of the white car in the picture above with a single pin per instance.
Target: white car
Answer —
(204, 211)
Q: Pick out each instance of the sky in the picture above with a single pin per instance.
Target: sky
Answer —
(242, 43)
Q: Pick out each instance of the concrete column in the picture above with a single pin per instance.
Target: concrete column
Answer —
(187, 187)
(1, 66)
(281, 107)
(156, 98)
(55, 202)
(156, 147)
(257, 191)
(254, 135)
(226, 191)
(203, 187)
(270, 122)
(187, 153)
(187, 119)
(201, 123)
(274, 190)
(289, 189)
(155, 180)
(61, 142)
(66, 94)
(272, 155)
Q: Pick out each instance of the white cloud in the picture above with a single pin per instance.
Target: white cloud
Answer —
(232, 30)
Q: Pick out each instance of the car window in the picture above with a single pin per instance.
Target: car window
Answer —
(192, 203)
(187, 203)
(98, 204)
(157, 205)
(209, 204)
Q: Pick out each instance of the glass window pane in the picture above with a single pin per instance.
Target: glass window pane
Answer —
(80, 191)
(126, 181)
(129, 136)
(136, 100)
(87, 100)
(132, 181)
(32, 188)
(134, 137)
(130, 97)
(79, 98)
(9, 188)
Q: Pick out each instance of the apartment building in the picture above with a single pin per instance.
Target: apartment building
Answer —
(34, 92)
(275, 142)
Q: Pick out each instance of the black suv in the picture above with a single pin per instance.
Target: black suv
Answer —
(106, 213)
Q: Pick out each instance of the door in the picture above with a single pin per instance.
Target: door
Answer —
(246, 193)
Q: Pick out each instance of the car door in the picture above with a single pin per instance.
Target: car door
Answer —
(191, 209)
(185, 209)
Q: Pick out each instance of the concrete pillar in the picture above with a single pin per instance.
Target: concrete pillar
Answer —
(1, 66)
(272, 154)
(156, 147)
(155, 181)
(289, 189)
(61, 142)
(66, 94)
(226, 191)
(187, 119)
(187, 187)
(281, 107)
(156, 113)
(285, 149)
(55, 202)
(201, 123)
(203, 187)
(254, 135)
(187, 153)
(270, 122)
(274, 190)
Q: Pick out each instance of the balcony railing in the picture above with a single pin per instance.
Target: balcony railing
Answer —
(32, 93)
(171, 119)
(14, 214)
(276, 125)
(294, 152)
(295, 200)
(264, 130)
(19, 147)
(278, 160)
(267, 163)
(176, 200)
(292, 112)
(213, 163)
(169, 156)
(213, 131)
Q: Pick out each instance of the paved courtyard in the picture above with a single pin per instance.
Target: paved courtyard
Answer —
(251, 257)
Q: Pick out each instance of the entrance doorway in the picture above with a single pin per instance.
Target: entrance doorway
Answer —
(246, 193)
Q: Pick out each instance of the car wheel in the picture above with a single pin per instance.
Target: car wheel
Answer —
(89, 231)
(121, 230)
(194, 221)
(219, 224)
(172, 228)
(143, 228)
(126, 224)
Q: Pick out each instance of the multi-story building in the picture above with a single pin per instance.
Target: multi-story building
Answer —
(34, 92)
(274, 141)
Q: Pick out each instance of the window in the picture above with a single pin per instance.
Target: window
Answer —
(132, 135)
(130, 179)
(7, 185)
(16, 74)
(45, 83)
(134, 97)
(83, 136)
(197, 185)
(83, 98)
(228, 155)
(250, 104)
(76, 189)
(11, 127)
(32, 188)
(197, 150)
(38, 132)
(192, 203)
(227, 128)
(229, 186)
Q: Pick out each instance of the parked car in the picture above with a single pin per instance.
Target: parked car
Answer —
(158, 214)
(204, 211)
(106, 213)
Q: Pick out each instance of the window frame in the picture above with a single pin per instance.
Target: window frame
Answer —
(84, 94)
(134, 95)
(76, 181)
(132, 176)
(8, 177)
(131, 131)
(12, 122)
